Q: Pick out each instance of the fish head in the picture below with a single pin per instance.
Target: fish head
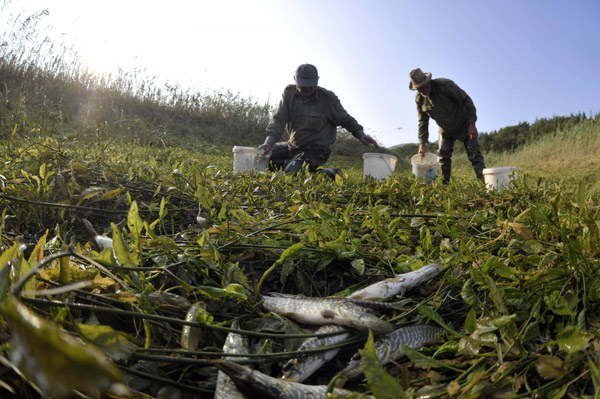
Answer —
(290, 370)
(247, 381)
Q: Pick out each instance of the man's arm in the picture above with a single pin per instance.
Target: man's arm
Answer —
(279, 119)
(461, 97)
(423, 128)
(340, 117)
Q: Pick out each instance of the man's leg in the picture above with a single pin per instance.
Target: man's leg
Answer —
(475, 156)
(311, 155)
(280, 156)
(446, 147)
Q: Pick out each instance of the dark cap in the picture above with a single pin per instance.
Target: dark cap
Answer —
(307, 75)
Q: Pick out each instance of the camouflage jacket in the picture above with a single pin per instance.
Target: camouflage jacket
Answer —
(449, 106)
(311, 120)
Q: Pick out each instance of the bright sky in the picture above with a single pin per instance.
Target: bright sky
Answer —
(518, 59)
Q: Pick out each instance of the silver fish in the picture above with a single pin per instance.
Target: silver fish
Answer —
(390, 347)
(258, 385)
(327, 310)
(302, 367)
(190, 336)
(238, 344)
(398, 284)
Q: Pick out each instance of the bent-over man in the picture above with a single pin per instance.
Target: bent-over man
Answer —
(453, 110)
(311, 115)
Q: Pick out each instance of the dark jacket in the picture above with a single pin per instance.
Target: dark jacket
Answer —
(312, 120)
(449, 106)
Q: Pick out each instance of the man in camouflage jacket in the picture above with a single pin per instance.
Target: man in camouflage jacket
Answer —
(310, 114)
(454, 112)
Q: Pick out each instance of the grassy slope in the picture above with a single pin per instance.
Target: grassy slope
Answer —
(570, 156)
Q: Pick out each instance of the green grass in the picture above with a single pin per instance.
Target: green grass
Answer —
(569, 156)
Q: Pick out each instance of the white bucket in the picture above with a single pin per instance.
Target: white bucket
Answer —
(379, 166)
(425, 167)
(499, 178)
(249, 158)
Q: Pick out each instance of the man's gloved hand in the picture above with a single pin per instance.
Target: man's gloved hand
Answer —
(368, 140)
(266, 148)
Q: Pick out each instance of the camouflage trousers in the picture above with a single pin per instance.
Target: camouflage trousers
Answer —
(446, 147)
(291, 159)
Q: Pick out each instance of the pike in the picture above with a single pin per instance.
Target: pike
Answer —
(390, 347)
(234, 344)
(398, 284)
(302, 367)
(327, 310)
(255, 384)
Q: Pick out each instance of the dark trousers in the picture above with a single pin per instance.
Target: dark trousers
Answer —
(292, 159)
(446, 147)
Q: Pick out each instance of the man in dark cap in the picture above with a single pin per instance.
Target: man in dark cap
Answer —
(311, 115)
(454, 112)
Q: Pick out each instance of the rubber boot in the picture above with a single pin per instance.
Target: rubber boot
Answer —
(331, 173)
(446, 172)
(479, 174)
(293, 166)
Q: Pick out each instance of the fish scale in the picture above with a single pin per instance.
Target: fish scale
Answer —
(327, 310)
(390, 347)
(258, 385)
(234, 344)
(398, 284)
(302, 367)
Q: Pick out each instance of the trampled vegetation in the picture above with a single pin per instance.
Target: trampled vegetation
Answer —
(111, 232)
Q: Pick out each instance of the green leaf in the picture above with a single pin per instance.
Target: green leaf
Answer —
(504, 321)
(105, 257)
(54, 360)
(572, 339)
(383, 385)
(134, 223)
(558, 393)
(110, 194)
(289, 252)
(532, 247)
(433, 315)
(236, 291)
(446, 347)
(425, 361)
(359, 265)
(64, 275)
(4, 282)
(506, 272)
(232, 291)
(38, 252)
(468, 294)
(593, 292)
(115, 344)
(124, 256)
(6, 259)
(471, 321)
(561, 305)
(550, 367)
(489, 264)
(496, 296)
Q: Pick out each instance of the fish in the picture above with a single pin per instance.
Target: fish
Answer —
(390, 347)
(255, 384)
(302, 367)
(238, 344)
(398, 284)
(326, 310)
